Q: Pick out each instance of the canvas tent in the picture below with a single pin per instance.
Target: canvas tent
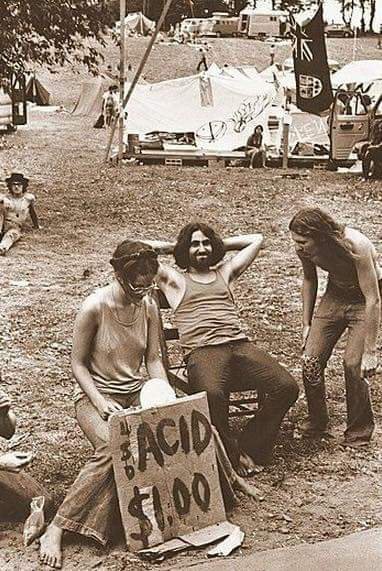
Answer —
(36, 92)
(90, 100)
(364, 73)
(138, 23)
(221, 110)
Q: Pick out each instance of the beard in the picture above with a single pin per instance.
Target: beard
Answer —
(200, 262)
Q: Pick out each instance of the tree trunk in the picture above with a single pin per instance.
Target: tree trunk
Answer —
(372, 14)
(363, 8)
(347, 9)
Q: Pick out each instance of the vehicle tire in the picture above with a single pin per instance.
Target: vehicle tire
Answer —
(218, 34)
(347, 35)
(11, 128)
(373, 170)
(331, 166)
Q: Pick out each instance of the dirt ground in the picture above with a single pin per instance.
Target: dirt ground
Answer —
(313, 491)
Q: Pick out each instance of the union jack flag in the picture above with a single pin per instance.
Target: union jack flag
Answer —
(300, 41)
(313, 87)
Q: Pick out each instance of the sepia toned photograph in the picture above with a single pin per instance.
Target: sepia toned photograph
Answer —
(191, 281)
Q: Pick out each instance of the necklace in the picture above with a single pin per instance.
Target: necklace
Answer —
(131, 316)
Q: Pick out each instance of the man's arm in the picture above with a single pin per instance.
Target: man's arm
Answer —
(309, 295)
(249, 246)
(160, 246)
(34, 217)
(367, 277)
(169, 280)
(153, 359)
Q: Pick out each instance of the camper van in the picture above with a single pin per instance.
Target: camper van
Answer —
(262, 23)
(351, 121)
(192, 25)
(220, 25)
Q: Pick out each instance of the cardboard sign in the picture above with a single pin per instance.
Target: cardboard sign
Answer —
(166, 471)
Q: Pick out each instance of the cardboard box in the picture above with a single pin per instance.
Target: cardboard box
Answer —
(166, 471)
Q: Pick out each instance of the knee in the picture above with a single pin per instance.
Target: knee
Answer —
(292, 391)
(288, 390)
(312, 370)
(215, 395)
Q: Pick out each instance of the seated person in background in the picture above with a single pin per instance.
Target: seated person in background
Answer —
(16, 489)
(15, 207)
(219, 356)
(255, 148)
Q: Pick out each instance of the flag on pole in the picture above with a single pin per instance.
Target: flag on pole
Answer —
(313, 86)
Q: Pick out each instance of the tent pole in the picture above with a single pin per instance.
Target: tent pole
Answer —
(122, 11)
(139, 71)
(355, 43)
(286, 125)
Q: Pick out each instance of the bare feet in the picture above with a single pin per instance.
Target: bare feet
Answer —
(246, 465)
(241, 485)
(50, 547)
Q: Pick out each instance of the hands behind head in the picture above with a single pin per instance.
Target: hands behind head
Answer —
(15, 461)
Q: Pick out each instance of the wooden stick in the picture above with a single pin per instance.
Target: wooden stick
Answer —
(138, 73)
(122, 11)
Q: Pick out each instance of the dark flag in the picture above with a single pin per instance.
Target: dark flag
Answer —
(313, 87)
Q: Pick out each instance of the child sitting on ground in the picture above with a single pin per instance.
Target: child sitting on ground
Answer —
(14, 210)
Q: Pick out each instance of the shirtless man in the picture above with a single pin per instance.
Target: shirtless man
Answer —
(220, 358)
(352, 301)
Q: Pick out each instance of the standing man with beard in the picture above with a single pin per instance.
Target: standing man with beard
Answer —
(220, 358)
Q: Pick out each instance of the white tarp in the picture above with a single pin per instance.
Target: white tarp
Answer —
(365, 75)
(138, 22)
(362, 71)
(220, 109)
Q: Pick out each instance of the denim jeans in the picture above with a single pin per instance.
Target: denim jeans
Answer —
(16, 493)
(91, 505)
(333, 316)
(237, 366)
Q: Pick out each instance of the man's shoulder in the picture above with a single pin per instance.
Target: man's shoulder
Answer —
(358, 240)
(29, 197)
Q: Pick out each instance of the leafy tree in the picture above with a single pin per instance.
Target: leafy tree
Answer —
(347, 9)
(181, 9)
(50, 32)
(292, 5)
(373, 10)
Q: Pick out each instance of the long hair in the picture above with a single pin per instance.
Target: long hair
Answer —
(182, 247)
(324, 230)
(132, 258)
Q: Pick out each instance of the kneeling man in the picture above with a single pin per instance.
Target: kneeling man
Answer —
(220, 358)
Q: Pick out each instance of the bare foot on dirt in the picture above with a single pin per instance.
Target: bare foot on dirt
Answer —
(241, 485)
(50, 547)
(246, 465)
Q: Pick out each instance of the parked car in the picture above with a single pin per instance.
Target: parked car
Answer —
(338, 31)
(220, 25)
